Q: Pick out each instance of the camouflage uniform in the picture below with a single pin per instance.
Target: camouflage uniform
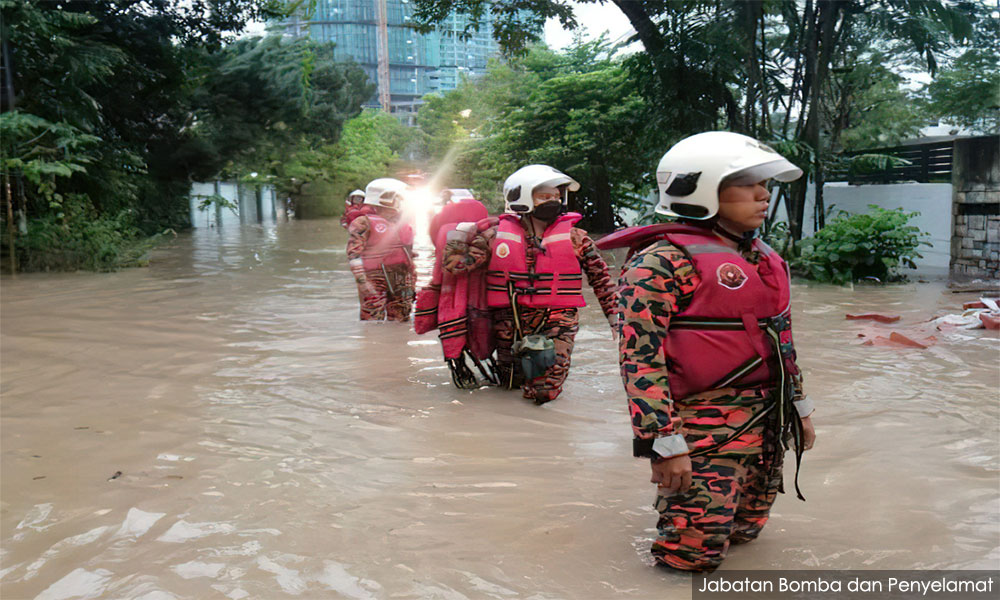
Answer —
(558, 324)
(392, 299)
(353, 212)
(734, 486)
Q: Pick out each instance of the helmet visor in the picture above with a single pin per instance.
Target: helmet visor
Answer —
(558, 181)
(780, 170)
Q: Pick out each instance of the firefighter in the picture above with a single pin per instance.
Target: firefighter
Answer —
(354, 207)
(535, 260)
(706, 351)
(380, 254)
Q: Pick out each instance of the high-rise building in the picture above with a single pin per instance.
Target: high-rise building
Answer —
(417, 64)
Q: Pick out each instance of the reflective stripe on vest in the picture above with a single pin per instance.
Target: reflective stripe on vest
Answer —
(556, 281)
(720, 340)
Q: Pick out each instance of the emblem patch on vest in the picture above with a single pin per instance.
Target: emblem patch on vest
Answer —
(503, 251)
(731, 276)
(381, 227)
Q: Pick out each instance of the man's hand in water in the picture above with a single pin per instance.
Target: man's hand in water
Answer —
(808, 433)
(671, 475)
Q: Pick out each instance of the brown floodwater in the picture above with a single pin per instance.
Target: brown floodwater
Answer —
(220, 425)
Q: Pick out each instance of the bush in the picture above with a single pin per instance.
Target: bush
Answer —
(70, 242)
(779, 237)
(853, 247)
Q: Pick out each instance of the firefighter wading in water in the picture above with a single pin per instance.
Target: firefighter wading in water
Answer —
(535, 260)
(706, 349)
(355, 207)
(380, 251)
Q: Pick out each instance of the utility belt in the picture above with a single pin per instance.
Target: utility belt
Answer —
(535, 351)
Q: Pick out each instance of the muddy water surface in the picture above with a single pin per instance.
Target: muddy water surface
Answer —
(220, 425)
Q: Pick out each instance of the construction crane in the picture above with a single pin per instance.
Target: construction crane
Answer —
(382, 53)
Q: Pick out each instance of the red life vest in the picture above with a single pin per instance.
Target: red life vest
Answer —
(723, 337)
(556, 281)
(353, 212)
(387, 243)
(455, 304)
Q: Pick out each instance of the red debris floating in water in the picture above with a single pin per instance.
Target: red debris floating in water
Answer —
(874, 317)
(873, 336)
(976, 304)
(899, 338)
(990, 321)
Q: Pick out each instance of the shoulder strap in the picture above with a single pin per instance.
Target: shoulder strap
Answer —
(641, 236)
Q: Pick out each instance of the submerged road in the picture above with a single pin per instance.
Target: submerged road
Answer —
(220, 425)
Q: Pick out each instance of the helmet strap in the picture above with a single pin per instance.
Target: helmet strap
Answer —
(743, 242)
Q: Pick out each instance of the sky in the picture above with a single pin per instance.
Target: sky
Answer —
(593, 19)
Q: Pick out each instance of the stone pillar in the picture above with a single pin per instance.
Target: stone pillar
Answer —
(975, 240)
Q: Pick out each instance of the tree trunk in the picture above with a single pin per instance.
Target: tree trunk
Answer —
(651, 38)
(796, 200)
(797, 73)
(604, 216)
(765, 117)
(751, 11)
(795, 204)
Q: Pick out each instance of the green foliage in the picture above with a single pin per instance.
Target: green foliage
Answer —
(215, 201)
(577, 111)
(873, 163)
(867, 102)
(820, 74)
(854, 247)
(78, 240)
(120, 104)
(265, 99)
(516, 23)
(968, 92)
(779, 237)
(43, 152)
(369, 147)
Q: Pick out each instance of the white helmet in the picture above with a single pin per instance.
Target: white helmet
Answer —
(518, 188)
(353, 195)
(690, 173)
(384, 192)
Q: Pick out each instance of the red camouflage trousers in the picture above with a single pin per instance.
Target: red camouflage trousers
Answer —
(558, 324)
(732, 489)
(393, 298)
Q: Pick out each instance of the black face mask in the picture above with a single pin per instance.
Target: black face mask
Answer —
(547, 211)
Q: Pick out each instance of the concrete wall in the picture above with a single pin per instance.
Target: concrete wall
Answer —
(975, 242)
(254, 204)
(932, 200)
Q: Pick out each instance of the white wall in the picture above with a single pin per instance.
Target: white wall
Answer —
(932, 200)
(246, 207)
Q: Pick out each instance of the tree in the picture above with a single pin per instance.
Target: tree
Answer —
(111, 108)
(263, 99)
(577, 111)
(586, 125)
(967, 93)
(735, 65)
(318, 180)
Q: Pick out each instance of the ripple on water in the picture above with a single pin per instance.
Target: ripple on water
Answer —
(303, 434)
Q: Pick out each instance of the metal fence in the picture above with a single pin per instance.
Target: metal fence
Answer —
(925, 163)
